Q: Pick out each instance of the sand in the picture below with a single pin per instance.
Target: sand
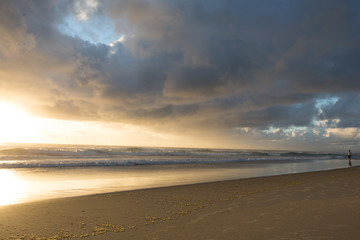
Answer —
(318, 205)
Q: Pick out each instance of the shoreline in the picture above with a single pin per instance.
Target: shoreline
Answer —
(320, 204)
(29, 185)
(186, 185)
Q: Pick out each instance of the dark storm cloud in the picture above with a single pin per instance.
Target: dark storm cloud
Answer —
(232, 64)
(279, 54)
(346, 109)
(282, 116)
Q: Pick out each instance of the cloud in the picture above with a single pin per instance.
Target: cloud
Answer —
(84, 8)
(345, 110)
(14, 38)
(179, 65)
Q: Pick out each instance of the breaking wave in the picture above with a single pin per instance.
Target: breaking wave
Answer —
(80, 156)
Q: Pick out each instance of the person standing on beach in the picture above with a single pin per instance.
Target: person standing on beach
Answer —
(349, 156)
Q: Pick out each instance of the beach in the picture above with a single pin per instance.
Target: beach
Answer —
(315, 205)
(179, 120)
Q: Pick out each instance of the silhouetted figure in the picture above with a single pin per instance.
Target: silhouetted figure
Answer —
(349, 156)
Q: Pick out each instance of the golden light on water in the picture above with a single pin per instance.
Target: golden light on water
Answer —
(11, 187)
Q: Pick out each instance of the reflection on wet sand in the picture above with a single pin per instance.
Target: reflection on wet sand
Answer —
(32, 184)
(11, 187)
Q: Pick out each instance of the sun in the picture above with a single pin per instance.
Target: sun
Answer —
(16, 125)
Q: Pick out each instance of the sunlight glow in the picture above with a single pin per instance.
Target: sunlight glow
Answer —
(11, 187)
(120, 40)
(16, 125)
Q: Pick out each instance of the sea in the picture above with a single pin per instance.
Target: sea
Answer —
(35, 172)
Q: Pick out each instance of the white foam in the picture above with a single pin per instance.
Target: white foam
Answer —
(80, 156)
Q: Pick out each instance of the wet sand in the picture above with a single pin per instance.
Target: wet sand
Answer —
(318, 205)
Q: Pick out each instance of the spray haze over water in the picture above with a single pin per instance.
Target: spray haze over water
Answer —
(32, 156)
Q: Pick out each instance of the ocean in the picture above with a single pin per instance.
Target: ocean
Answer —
(36, 172)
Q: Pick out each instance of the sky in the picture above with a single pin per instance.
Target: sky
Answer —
(277, 74)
